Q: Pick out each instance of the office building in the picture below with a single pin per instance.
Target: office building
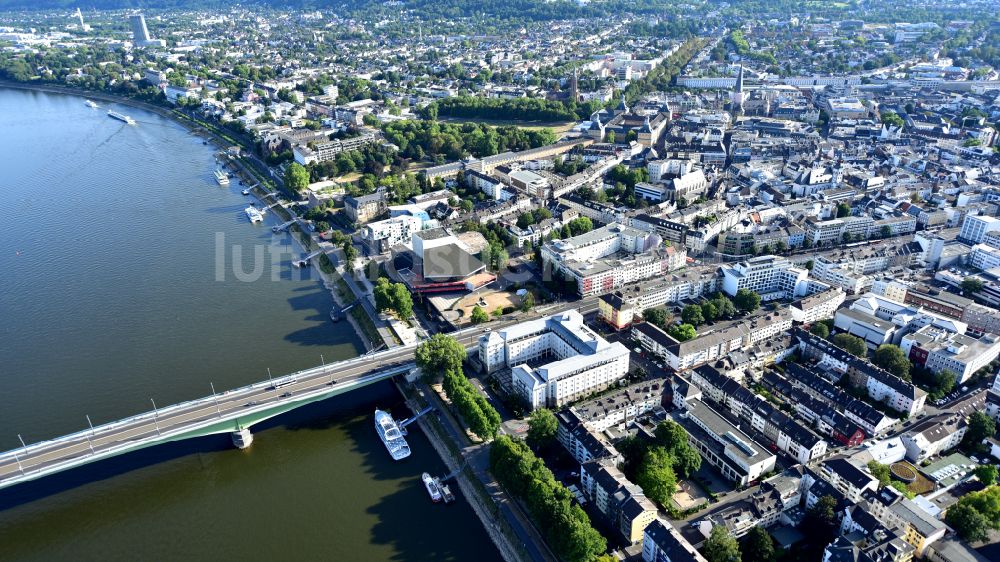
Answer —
(554, 360)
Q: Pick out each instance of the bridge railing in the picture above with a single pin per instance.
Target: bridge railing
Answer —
(167, 434)
(148, 416)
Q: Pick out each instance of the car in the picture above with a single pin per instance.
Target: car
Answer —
(332, 382)
(286, 395)
(965, 389)
(251, 403)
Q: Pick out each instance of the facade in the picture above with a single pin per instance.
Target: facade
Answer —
(364, 208)
(607, 258)
(938, 350)
(622, 503)
(975, 228)
(579, 361)
(771, 277)
(661, 542)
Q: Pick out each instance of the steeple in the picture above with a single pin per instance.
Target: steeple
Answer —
(739, 80)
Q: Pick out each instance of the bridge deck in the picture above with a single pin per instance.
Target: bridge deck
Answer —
(226, 412)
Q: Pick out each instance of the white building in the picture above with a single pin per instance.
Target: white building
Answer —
(975, 227)
(938, 350)
(581, 361)
(384, 234)
(771, 277)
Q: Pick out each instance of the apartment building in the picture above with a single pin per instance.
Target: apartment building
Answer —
(975, 228)
(579, 360)
(364, 208)
(781, 431)
(661, 542)
(379, 236)
(818, 306)
(712, 345)
(606, 258)
(938, 350)
(622, 503)
(771, 277)
(932, 435)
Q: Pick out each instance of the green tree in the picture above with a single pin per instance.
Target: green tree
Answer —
(350, 253)
(709, 311)
(466, 205)
(758, 546)
(479, 315)
(725, 307)
(296, 177)
(972, 285)
(852, 344)
(843, 210)
(542, 428)
(439, 354)
(746, 300)
(656, 475)
(682, 332)
(527, 302)
(968, 522)
(692, 315)
(881, 472)
(981, 426)
(820, 329)
(656, 316)
(721, 546)
(383, 294)
(674, 439)
(892, 119)
(986, 473)
(891, 358)
(402, 302)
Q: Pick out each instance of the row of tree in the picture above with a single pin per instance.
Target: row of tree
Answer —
(481, 416)
(419, 139)
(565, 525)
(529, 109)
(441, 356)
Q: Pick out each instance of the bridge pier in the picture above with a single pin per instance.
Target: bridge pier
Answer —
(242, 438)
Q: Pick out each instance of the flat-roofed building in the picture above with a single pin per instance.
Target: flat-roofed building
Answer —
(723, 445)
(555, 359)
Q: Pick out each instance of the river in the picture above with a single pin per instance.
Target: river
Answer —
(130, 275)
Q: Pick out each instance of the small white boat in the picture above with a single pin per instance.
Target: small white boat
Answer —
(432, 487)
(253, 214)
(221, 177)
(245, 192)
(91, 104)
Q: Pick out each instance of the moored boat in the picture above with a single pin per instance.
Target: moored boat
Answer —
(432, 487)
(253, 214)
(391, 436)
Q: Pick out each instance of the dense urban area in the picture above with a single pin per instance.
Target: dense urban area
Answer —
(734, 267)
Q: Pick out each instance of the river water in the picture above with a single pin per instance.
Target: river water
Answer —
(127, 274)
